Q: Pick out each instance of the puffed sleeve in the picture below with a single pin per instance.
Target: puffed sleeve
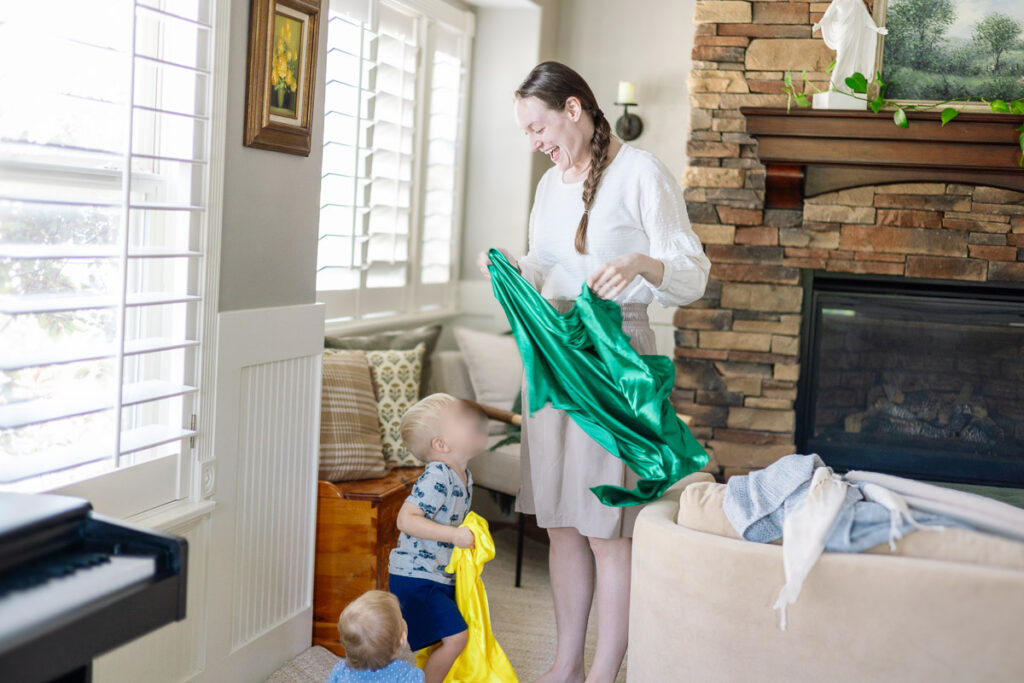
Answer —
(673, 242)
(530, 264)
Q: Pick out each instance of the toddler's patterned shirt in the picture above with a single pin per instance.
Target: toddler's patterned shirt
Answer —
(442, 497)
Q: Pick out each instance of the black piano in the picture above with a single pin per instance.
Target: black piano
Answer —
(74, 584)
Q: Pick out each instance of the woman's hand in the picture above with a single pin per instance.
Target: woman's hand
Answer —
(483, 260)
(609, 280)
(464, 538)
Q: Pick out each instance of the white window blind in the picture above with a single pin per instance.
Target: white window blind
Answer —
(103, 189)
(392, 164)
(442, 187)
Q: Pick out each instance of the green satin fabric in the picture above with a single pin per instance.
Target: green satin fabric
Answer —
(581, 362)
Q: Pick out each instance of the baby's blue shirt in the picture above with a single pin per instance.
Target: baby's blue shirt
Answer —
(398, 671)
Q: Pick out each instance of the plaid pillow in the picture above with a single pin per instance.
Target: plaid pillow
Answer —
(350, 445)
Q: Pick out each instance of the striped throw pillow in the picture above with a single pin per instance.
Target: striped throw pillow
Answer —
(350, 445)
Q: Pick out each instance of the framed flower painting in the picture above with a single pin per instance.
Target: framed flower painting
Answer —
(282, 64)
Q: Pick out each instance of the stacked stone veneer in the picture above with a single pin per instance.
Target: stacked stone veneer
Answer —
(737, 350)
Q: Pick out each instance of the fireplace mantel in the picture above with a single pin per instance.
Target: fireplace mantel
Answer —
(809, 152)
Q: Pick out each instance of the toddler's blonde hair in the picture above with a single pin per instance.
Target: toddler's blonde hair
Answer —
(371, 629)
(421, 421)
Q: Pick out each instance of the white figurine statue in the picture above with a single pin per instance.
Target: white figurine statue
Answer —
(848, 28)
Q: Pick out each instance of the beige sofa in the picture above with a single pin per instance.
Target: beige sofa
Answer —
(701, 605)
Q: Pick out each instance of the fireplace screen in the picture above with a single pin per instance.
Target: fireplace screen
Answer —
(913, 377)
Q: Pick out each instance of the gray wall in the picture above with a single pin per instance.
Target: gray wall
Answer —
(271, 199)
(647, 42)
(499, 190)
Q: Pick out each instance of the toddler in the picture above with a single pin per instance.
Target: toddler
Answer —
(445, 433)
(374, 635)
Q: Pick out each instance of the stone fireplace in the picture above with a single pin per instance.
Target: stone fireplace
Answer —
(940, 223)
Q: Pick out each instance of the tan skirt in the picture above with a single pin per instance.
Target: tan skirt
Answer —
(559, 462)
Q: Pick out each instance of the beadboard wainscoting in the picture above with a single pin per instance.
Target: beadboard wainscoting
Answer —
(251, 549)
(276, 495)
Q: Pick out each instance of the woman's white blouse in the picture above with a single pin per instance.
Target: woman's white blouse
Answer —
(639, 207)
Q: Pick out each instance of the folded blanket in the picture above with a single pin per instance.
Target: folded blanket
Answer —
(979, 512)
(799, 499)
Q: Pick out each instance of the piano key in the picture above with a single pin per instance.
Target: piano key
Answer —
(23, 610)
(40, 571)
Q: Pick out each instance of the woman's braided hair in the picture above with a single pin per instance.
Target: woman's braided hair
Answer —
(553, 84)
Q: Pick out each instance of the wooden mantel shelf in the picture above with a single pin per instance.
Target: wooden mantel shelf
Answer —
(810, 151)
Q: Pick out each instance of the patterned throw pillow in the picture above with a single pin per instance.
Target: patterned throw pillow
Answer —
(396, 380)
(350, 446)
(404, 339)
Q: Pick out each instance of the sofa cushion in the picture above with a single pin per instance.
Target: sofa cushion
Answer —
(495, 367)
(497, 470)
(450, 375)
(350, 445)
(700, 509)
(396, 383)
(402, 340)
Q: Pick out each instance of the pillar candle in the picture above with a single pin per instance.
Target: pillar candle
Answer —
(627, 92)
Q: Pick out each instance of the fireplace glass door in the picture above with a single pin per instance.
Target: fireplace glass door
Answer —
(916, 378)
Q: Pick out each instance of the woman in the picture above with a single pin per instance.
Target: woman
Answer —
(612, 216)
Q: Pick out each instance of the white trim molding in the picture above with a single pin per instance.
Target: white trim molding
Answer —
(206, 401)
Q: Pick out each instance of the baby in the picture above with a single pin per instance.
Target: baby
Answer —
(374, 635)
(445, 433)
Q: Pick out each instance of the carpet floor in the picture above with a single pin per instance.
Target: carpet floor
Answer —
(523, 618)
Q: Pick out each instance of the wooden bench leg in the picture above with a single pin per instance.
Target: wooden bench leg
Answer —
(519, 548)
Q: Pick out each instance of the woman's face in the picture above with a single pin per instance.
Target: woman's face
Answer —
(562, 135)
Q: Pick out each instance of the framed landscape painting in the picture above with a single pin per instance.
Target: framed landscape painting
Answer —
(282, 61)
(945, 49)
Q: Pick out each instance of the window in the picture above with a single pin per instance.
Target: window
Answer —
(104, 151)
(390, 198)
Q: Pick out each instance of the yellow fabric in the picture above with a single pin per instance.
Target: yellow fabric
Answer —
(483, 660)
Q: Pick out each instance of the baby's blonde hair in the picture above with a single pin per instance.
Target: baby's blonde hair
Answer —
(420, 423)
(371, 629)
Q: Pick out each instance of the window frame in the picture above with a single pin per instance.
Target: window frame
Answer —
(417, 306)
(134, 490)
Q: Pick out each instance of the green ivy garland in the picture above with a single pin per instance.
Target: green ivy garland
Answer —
(860, 86)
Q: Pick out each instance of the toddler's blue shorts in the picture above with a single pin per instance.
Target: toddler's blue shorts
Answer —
(429, 609)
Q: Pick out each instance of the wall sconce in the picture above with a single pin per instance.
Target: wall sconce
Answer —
(629, 126)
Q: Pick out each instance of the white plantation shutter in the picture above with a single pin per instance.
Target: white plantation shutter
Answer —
(103, 189)
(445, 139)
(393, 149)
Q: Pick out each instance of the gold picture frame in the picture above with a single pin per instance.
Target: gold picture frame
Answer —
(880, 13)
(281, 74)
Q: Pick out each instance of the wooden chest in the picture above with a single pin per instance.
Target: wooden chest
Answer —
(355, 532)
